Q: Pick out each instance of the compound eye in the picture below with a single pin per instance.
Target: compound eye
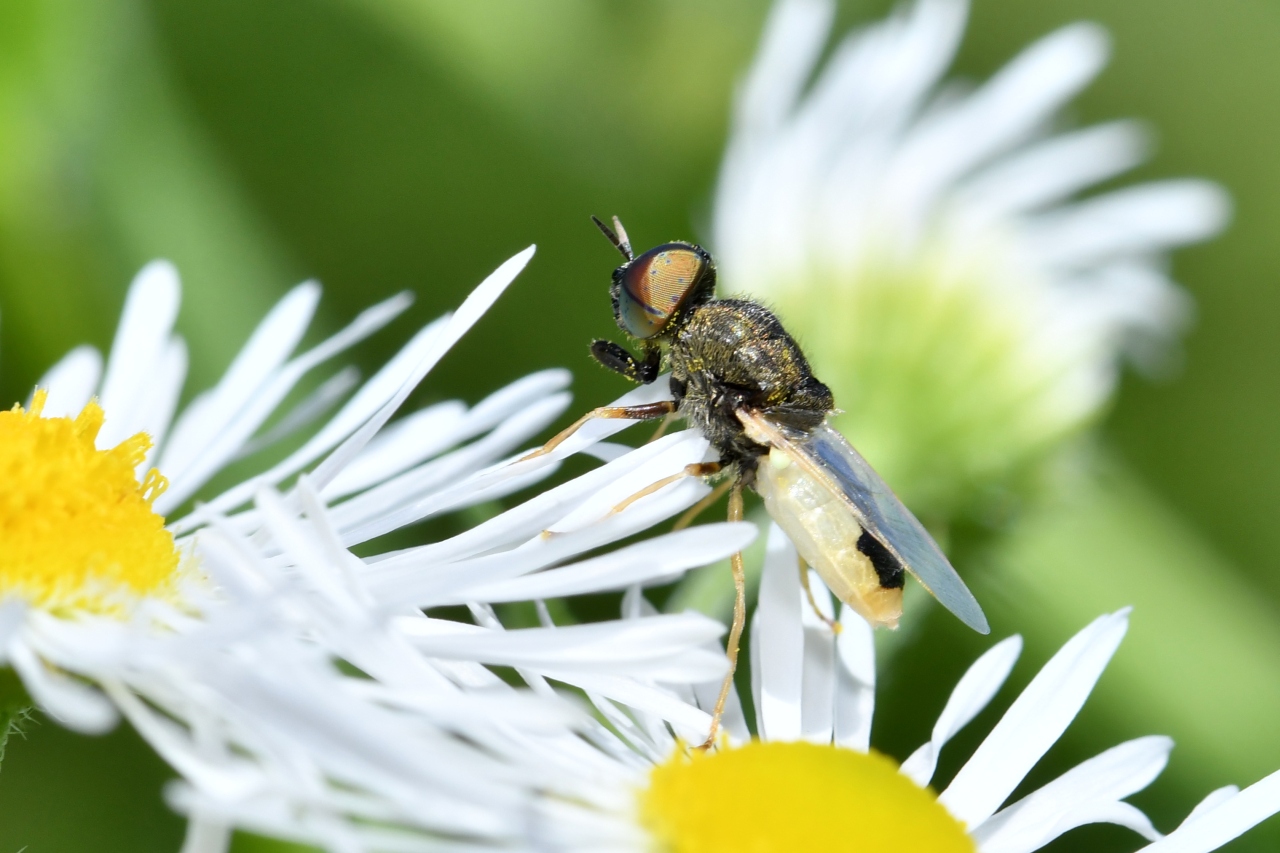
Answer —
(655, 285)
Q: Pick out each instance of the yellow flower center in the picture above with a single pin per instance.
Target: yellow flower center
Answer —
(766, 797)
(77, 532)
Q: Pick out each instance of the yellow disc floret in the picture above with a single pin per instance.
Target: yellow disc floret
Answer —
(780, 797)
(77, 532)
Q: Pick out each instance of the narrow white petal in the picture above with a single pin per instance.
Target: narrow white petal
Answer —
(71, 382)
(266, 350)
(206, 835)
(155, 413)
(1117, 813)
(1088, 793)
(1212, 801)
(1231, 817)
(141, 339)
(445, 483)
(778, 641)
(651, 647)
(971, 695)
(1146, 218)
(468, 313)
(644, 697)
(13, 613)
(236, 432)
(1034, 722)
(1052, 171)
(994, 119)
(66, 699)
(681, 451)
(818, 666)
(423, 434)
(313, 408)
(793, 39)
(855, 681)
(654, 560)
(537, 513)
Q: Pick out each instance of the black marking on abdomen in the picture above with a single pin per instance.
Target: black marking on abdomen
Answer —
(887, 567)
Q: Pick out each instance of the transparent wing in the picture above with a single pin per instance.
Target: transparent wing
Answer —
(827, 455)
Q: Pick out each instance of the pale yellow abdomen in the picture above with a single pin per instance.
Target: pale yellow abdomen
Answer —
(825, 532)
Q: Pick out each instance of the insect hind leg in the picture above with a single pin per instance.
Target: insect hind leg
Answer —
(835, 626)
(739, 620)
(697, 469)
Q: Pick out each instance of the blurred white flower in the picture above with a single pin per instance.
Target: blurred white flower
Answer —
(927, 242)
(810, 780)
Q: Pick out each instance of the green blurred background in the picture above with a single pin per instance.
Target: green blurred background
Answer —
(379, 145)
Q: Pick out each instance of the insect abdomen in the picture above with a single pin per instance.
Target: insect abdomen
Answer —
(828, 537)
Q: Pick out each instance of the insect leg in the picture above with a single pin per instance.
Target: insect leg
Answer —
(739, 619)
(697, 469)
(643, 370)
(835, 626)
(645, 412)
(697, 509)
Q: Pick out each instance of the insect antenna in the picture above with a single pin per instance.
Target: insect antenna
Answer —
(621, 243)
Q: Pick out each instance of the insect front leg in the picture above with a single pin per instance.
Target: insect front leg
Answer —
(645, 412)
(643, 370)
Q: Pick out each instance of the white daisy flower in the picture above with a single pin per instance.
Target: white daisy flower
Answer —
(927, 242)
(811, 781)
(276, 735)
(297, 689)
(85, 536)
(100, 457)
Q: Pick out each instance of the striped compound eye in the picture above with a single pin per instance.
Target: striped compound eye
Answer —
(657, 284)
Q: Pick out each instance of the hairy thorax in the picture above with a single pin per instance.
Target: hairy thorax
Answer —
(733, 353)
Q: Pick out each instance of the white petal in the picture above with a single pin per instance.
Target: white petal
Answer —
(71, 382)
(1214, 827)
(1146, 218)
(1051, 171)
(468, 313)
(66, 699)
(155, 413)
(446, 483)
(267, 348)
(423, 434)
(206, 835)
(313, 408)
(682, 450)
(855, 681)
(778, 641)
(1034, 722)
(1088, 793)
(1001, 114)
(236, 432)
(818, 682)
(660, 559)
(793, 39)
(1212, 801)
(140, 343)
(971, 695)
(654, 647)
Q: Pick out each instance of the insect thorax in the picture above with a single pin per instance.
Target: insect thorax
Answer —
(732, 353)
